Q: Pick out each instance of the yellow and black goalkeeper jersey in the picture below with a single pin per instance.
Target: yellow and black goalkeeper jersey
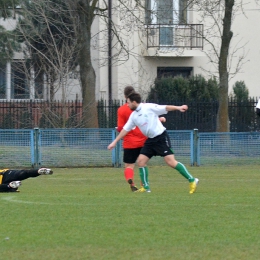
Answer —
(3, 187)
(2, 174)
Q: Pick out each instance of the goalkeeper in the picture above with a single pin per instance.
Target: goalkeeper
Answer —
(10, 180)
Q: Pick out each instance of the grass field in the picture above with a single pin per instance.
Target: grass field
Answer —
(91, 214)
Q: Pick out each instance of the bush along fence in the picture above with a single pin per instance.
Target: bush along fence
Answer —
(201, 115)
(88, 148)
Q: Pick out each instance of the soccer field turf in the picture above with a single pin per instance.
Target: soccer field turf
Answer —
(90, 213)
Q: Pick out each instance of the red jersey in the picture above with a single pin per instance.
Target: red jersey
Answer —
(134, 138)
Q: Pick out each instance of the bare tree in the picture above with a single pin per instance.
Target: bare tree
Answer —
(130, 18)
(225, 61)
(114, 33)
(49, 48)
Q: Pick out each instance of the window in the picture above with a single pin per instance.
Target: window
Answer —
(166, 14)
(19, 83)
(2, 81)
(16, 81)
(173, 72)
(164, 17)
(39, 85)
(166, 11)
(183, 6)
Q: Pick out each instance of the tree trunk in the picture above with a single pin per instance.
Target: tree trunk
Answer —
(222, 118)
(87, 73)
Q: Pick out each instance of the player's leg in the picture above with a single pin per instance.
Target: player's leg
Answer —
(19, 175)
(163, 148)
(13, 178)
(170, 160)
(129, 158)
(129, 175)
(143, 172)
(146, 154)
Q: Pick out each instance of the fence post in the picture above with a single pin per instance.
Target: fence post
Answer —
(116, 153)
(196, 161)
(35, 148)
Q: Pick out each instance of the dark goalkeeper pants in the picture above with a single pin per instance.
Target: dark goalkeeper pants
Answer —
(18, 175)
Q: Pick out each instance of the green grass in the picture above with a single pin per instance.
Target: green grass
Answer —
(91, 214)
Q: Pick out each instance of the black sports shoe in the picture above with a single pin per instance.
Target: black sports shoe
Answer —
(132, 187)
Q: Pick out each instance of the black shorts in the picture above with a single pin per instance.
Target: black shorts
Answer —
(18, 175)
(159, 145)
(11, 175)
(130, 155)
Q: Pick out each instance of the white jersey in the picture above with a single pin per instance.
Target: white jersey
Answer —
(146, 118)
(258, 104)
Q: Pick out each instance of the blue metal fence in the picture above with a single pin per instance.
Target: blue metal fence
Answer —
(88, 148)
(229, 148)
(15, 148)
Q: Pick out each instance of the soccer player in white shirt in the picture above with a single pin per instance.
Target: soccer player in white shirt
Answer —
(145, 116)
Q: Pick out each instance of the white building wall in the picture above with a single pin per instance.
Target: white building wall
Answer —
(141, 70)
(245, 42)
(247, 26)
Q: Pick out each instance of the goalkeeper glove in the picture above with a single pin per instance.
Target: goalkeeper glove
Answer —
(14, 184)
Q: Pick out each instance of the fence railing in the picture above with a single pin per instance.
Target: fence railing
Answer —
(201, 115)
(88, 148)
(189, 36)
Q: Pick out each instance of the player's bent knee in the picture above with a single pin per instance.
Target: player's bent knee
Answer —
(141, 162)
(170, 160)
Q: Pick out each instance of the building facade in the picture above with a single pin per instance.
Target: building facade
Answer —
(176, 39)
(158, 38)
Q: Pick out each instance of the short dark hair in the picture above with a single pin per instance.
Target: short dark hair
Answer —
(128, 90)
(135, 97)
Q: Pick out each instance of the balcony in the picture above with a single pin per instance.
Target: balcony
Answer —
(175, 36)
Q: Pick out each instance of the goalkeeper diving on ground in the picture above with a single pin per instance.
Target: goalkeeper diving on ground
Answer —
(10, 180)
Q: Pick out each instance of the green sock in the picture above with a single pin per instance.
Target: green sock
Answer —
(143, 171)
(184, 172)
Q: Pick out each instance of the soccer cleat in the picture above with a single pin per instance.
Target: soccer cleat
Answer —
(142, 189)
(45, 171)
(132, 186)
(193, 185)
(15, 184)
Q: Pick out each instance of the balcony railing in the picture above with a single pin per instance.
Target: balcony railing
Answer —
(187, 36)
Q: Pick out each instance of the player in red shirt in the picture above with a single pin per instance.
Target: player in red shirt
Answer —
(132, 142)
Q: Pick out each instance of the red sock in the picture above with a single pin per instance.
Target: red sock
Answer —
(129, 174)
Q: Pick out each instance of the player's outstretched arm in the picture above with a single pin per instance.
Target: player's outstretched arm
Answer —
(182, 108)
(120, 136)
